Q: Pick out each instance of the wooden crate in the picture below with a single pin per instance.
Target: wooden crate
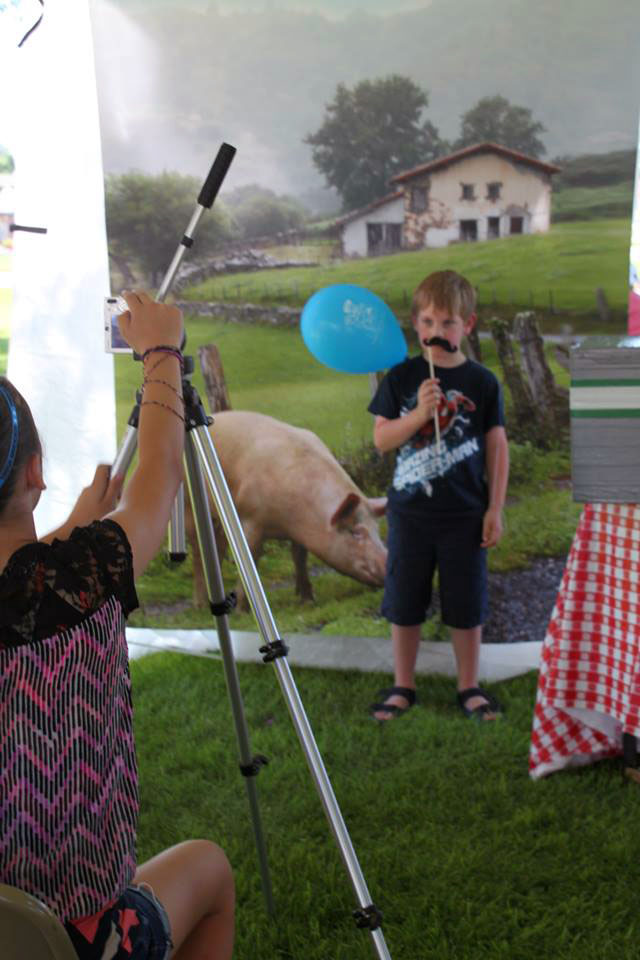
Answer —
(605, 419)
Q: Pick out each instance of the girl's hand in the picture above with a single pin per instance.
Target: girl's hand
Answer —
(148, 324)
(99, 498)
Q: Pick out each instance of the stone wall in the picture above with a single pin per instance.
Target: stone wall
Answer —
(267, 315)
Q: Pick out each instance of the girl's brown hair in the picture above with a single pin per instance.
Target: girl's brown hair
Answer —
(28, 439)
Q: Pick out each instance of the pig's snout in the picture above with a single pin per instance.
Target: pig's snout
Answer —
(370, 560)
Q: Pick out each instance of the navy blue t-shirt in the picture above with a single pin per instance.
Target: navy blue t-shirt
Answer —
(453, 484)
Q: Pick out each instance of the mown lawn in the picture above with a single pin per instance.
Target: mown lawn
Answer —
(562, 268)
(465, 855)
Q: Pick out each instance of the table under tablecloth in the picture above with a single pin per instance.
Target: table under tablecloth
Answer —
(589, 680)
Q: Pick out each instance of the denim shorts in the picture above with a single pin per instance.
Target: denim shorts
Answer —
(135, 927)
(416, 548)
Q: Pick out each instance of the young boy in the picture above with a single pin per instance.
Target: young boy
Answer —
(448, 490)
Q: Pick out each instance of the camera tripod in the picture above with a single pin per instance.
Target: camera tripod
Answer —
(200, 461)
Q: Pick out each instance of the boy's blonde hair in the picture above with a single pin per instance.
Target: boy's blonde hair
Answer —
(445, 290)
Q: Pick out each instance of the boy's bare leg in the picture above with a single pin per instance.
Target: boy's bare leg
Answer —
(404, 642)
(466, 647)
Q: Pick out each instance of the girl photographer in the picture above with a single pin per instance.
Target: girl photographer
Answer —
(68, 775)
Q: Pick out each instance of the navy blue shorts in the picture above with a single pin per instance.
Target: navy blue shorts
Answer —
(415, 548)
(135, 927)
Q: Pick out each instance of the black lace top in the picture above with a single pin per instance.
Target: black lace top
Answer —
(48, 588)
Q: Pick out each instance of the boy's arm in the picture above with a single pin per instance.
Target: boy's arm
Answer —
(497, 461)
(391, 434)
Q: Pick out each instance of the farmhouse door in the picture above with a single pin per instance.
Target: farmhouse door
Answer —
(374, 238)
(468, 230)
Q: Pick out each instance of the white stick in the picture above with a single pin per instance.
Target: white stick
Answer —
(435, 413)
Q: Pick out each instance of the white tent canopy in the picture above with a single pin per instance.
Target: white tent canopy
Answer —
(56, 355)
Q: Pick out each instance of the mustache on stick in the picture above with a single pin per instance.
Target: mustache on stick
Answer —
(439, 342)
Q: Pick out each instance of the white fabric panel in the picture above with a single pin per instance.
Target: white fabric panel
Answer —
(56, 354)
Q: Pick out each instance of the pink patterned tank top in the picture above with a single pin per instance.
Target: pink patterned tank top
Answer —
(68, 775)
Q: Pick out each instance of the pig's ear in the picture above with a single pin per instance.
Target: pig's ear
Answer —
(347, 506)
(378, 506)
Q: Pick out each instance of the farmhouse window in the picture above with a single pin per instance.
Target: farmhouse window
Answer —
(468, 191)
(383, 237)
(493, 227)
(468, 230)
(493, 190)
(517, 224)
(418, 199)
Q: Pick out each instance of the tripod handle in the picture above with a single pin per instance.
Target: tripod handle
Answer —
(218, 172)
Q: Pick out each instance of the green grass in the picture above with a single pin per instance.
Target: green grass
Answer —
(269, 370)
(463, 853)
(570, 261)
(589, 203)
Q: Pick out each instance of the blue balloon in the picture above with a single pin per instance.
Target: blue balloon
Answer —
(350, 329)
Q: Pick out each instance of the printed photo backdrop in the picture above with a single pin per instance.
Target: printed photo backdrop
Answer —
(634, 266)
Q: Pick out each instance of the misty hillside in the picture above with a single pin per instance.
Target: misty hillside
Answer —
(175, 78)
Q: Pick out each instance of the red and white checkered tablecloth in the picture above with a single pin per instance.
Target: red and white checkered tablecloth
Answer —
(589, 680)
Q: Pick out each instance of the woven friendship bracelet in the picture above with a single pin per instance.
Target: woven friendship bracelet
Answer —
(162, 348)
(157, 403)
(164, 383)
(162, 359)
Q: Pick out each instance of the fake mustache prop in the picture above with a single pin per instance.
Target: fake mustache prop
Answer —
(439, 342)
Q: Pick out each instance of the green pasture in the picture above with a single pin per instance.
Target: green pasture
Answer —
(561, 269)
(587, 203)
(463, 853)
(269, 370)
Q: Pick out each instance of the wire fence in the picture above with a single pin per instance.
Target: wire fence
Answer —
(293, 292)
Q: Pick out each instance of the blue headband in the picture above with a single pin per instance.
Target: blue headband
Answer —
(13, 445)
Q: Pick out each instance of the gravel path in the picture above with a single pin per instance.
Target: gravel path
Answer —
(520, 602)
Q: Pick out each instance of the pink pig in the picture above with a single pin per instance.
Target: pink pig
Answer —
(287, 485)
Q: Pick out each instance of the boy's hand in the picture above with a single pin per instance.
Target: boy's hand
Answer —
(491, 527)
(429, 394)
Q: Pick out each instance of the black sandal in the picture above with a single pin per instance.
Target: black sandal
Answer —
(485, 711)
(390, 708)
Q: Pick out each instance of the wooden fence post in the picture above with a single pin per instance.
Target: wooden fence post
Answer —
(214, 381)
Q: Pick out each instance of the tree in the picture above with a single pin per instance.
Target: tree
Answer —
(371, 133)
(146, 216)
(495, 119)
(257, 211)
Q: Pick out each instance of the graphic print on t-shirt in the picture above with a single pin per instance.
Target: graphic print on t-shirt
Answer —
(418, 461)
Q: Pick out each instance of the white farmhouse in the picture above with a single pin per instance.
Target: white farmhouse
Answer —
(481, 192)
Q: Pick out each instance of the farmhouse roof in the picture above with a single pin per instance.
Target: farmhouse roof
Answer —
(486, 147)
(354, 214)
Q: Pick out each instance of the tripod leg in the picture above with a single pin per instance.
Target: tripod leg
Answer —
(215, 589)
(368, 916)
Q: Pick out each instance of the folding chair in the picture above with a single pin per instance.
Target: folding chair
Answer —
(29, 930)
